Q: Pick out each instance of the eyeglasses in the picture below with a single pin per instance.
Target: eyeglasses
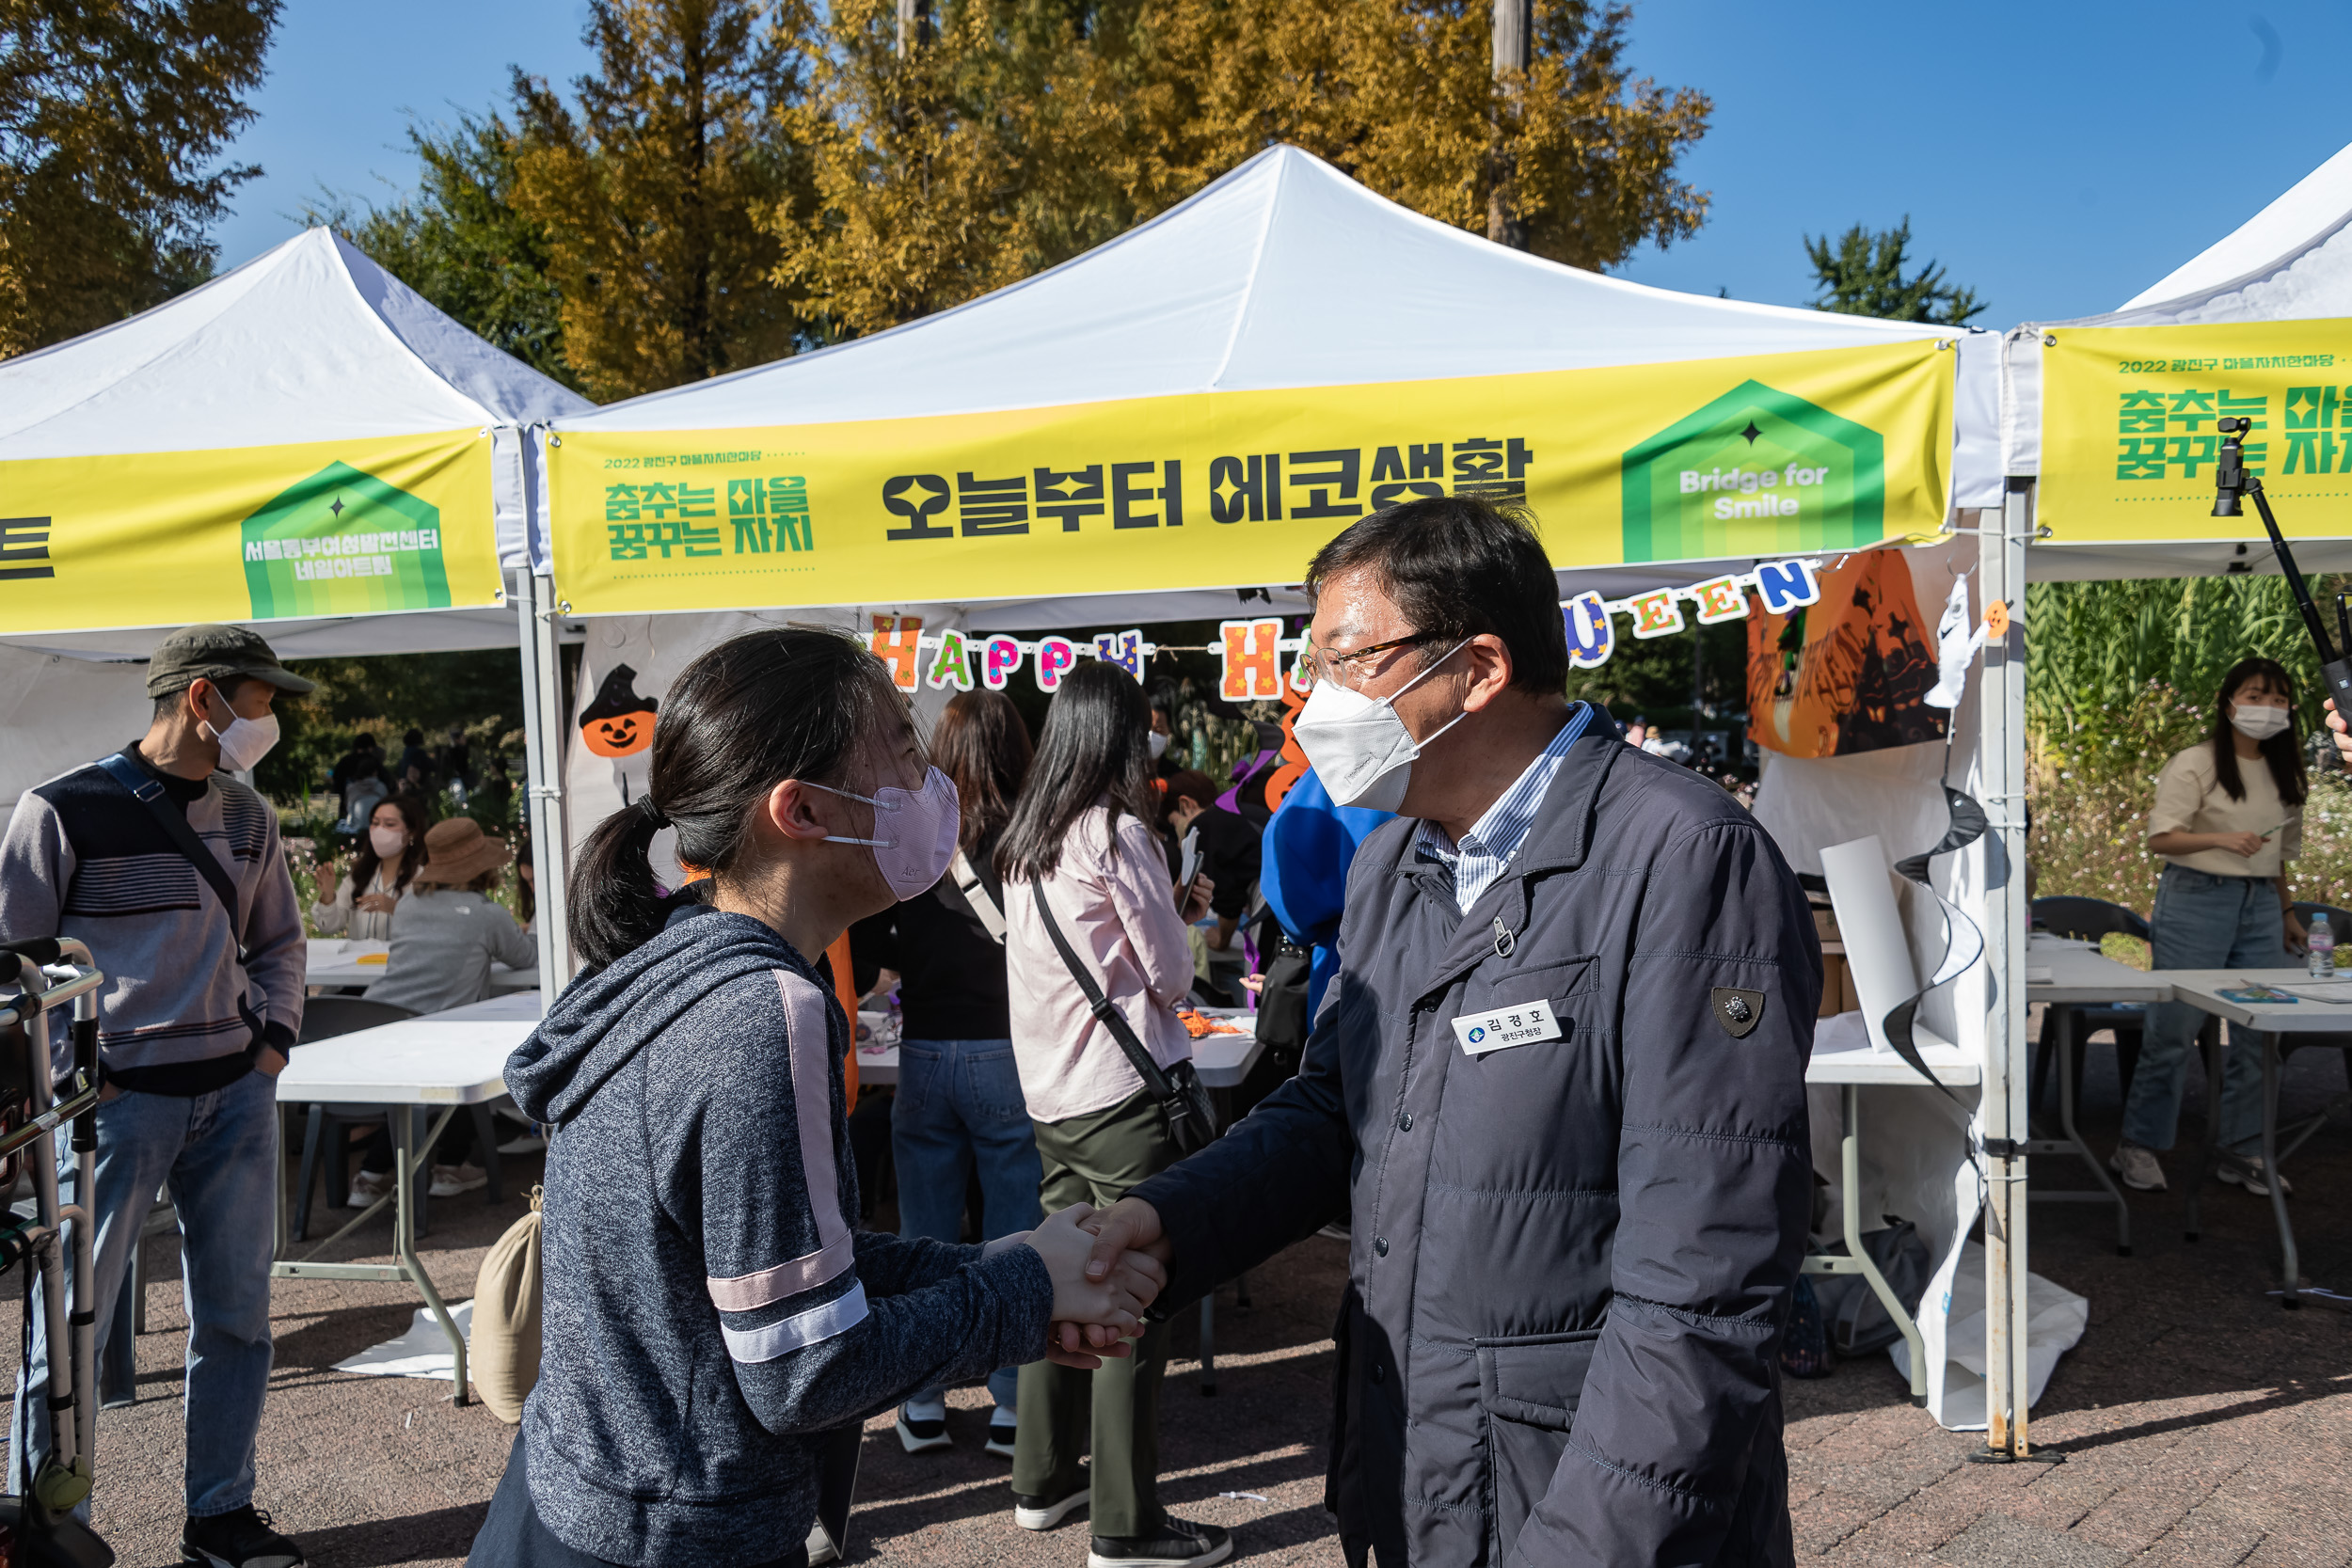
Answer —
(1349, 669)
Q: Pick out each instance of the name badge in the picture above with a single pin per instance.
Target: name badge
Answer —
(1522, 1023)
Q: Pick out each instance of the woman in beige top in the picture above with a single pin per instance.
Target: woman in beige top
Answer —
(2229, 816)
(384, 865)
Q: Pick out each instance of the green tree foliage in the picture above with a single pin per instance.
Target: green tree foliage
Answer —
(460, 242)
(2119, 676)
(1013, 134)
(385, 696)
(2094, 647)
(112, 115)
(1863, 274)
(647, 185)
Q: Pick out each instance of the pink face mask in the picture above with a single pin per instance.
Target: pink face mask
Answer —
(922, 826)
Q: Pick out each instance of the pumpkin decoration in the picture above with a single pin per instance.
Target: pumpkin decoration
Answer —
(619, 724)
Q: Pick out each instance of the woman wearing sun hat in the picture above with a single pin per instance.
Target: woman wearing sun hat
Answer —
(446, 934)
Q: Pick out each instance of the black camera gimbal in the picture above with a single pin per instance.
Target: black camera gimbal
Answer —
(2230, 481)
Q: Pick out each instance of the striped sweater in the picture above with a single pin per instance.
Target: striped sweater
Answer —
(711, 1311)
(82, 859)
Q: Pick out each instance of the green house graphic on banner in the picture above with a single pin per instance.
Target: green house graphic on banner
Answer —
(343, 542)
(1755, 472)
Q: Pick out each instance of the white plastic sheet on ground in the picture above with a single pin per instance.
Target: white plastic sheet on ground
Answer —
(2055, 1320)
(423, 1352)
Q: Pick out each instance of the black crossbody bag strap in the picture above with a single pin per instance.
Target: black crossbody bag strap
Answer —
(175, 825)
(1154, 1078)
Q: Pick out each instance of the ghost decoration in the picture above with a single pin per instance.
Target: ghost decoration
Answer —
(1955, 649)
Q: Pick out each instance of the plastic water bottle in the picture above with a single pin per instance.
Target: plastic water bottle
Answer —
(2322, 943)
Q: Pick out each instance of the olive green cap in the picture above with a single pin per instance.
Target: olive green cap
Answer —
(216, 653)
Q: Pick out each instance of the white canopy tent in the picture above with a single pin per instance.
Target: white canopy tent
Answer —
(1283, 274)
(309, 341)
(2291, 262)
(1286, 274)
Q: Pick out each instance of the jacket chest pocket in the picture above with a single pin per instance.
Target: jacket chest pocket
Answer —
(1529, 1385)
(1515, 1102)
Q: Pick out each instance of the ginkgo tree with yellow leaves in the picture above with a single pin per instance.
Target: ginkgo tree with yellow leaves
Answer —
(740, 179)
(996, 137)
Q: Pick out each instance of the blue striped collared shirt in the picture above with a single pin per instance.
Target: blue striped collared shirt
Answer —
(1486, 850)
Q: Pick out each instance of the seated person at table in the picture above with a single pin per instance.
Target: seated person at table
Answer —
(446, 934)
(382, 867)
(719, 1329)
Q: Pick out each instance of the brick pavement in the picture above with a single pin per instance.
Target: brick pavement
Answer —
(2200, 1423)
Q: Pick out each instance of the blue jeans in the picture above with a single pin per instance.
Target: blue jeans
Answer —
(960, 1103)
(2204, 921)
(217, 1153)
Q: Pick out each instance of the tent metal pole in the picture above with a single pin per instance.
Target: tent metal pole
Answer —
(2018, 1082)
(543, 731)
(2001, 769)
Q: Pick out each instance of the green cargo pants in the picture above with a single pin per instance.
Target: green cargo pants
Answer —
(1095, 1159)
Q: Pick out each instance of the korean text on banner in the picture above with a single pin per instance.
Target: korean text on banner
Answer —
(251, 534)
(2128, 440)
(1763, 456)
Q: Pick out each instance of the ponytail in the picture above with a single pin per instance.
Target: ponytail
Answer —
(614, 903)
(743, 717)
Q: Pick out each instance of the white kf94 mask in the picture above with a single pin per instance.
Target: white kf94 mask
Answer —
(1359, 747)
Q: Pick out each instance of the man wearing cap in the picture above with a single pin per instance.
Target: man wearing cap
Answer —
(204, 964)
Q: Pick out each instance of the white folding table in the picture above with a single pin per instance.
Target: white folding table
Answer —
(341, 963)
(2202, 989)
(1851, 1071)
(441, 1061)
(2065, 973)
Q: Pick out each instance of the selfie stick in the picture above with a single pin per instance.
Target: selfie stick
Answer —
(2232, 480)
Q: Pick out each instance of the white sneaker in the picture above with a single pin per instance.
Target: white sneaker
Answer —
(450, 1181)
(367, 1187)
(2252, 1177)
(2137, 1167)
(1000, 1437)
(526, 1143)
(921, 1433)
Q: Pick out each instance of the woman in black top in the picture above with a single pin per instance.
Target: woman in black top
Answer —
(958, 1105)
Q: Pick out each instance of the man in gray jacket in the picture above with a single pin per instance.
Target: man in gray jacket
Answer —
(1558, 1077)
(204, 968)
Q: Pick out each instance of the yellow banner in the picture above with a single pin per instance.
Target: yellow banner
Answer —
(1762, 456)
(247, 534)
(2128, 443)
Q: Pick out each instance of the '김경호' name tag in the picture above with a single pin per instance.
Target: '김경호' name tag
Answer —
(1523, 1023)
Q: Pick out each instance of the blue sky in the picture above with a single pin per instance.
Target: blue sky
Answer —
(2059, 157)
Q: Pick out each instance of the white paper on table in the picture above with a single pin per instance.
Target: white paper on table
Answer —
(2336, 991)
(423, 1352)
(1191, 866)
(1861, 888)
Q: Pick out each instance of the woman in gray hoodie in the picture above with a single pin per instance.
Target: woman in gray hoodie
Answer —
(715, 1331)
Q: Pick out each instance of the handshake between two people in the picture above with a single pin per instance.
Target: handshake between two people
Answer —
(1107, 1265)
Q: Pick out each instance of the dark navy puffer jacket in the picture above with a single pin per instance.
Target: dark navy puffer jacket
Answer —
(1571, 1258)
(710, 1310)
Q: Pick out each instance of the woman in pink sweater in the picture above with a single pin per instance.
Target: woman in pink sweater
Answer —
(1081, 838)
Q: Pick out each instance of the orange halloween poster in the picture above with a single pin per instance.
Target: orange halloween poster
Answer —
(1848, 673)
